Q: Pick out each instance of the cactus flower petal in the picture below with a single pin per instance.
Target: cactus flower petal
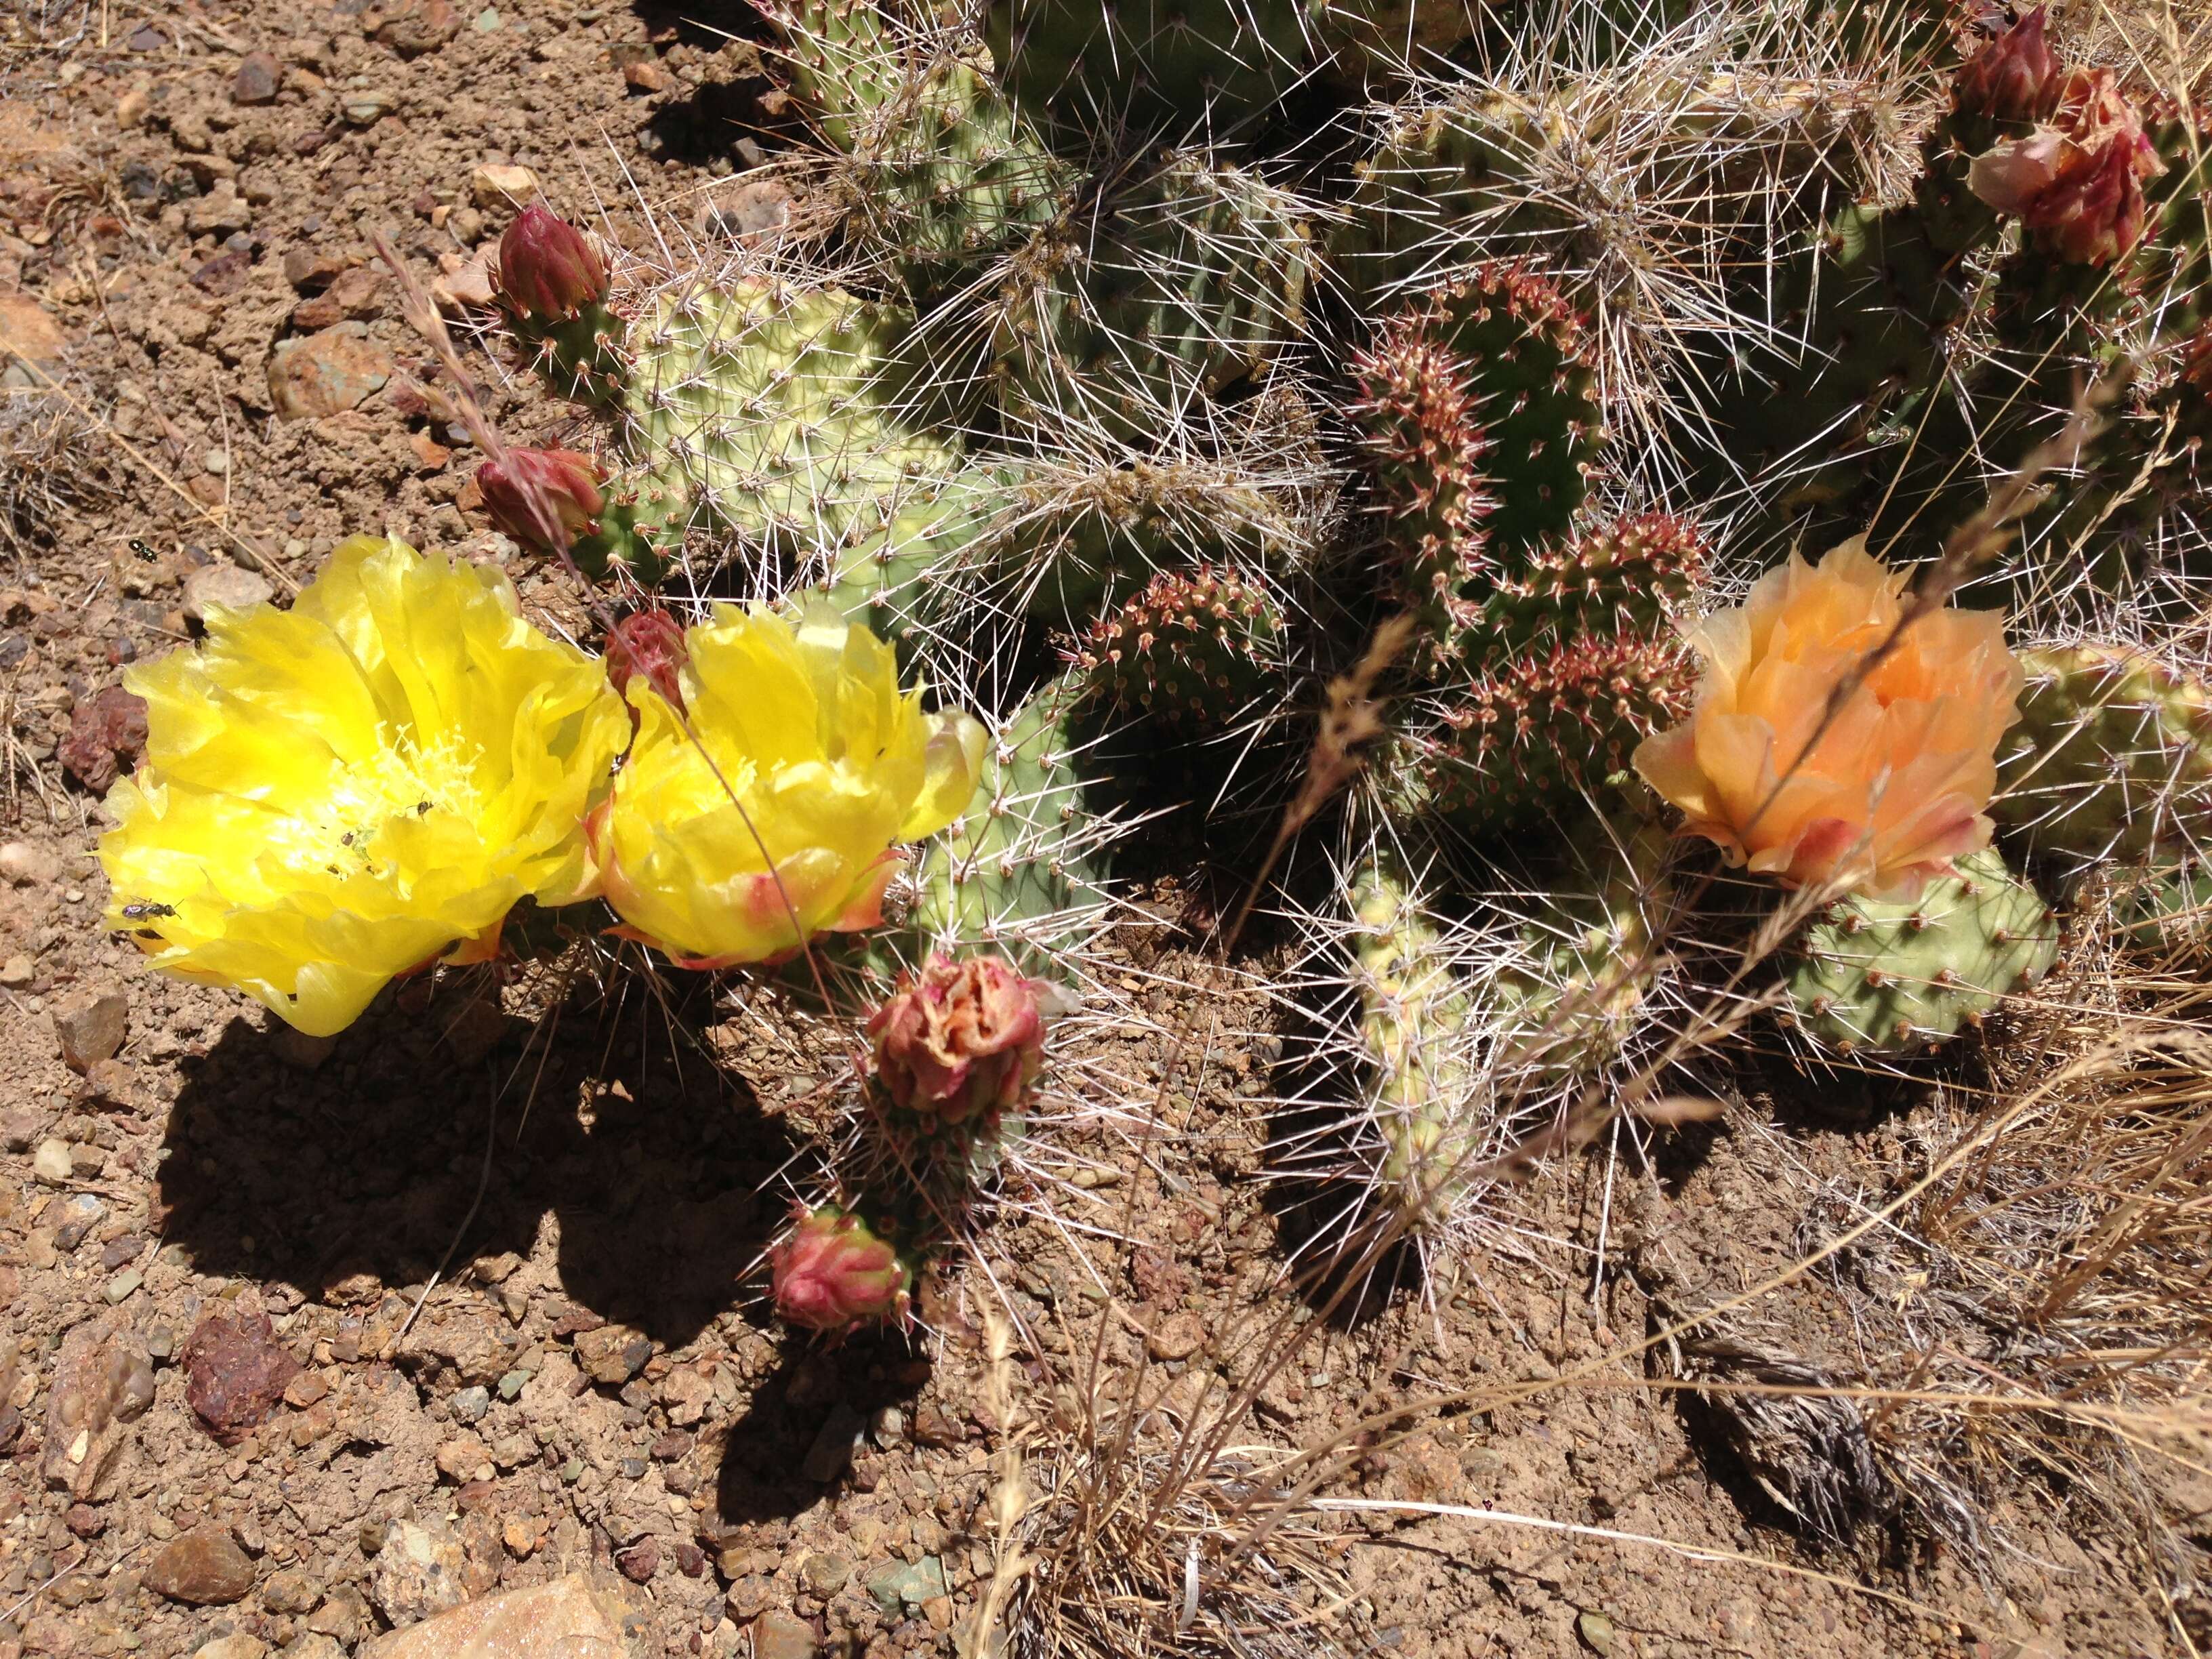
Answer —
(549, 271)
(1881, 793)
(337, 793)
(964, 1040)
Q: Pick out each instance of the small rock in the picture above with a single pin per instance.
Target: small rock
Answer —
(17, 972)
(418, 1572)
(612, 1354)
(237, 1645)
(106, 735)
(27, 329)
(462, 1458)
(780, 1635)
(121, 1288)
(325, 373)
(342, 1617)
(468, 286)
(367, 108)
(646, 75)
(203, 1567)
(313, 269)
(256, 80)
(111, 1082)
(520, 1538)
(889, 1427)
(222, 586)
(290, 1590)
(305, 1389)
(577, 1615)
(81, 1213)
(358, 292)
(835, 1443)
(85, 1521)
(747, 208)
(494, 188)
(102, 1383)
(899, 1585)
(471, 1405)
(51, 1163)
(28, 866)
(640, 1561)
(314, 1646)
(415, 26)
(1177, 1337)
(92, 1027)
(238, 1372)
(20, 1128)
(1596, 1630)
(825, 1575)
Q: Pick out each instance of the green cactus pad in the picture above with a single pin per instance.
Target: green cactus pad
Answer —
(2111, 758)
(1416, 1027)
(1633, 575)
(1022, 870)
(1886, 977)
(1181, 283)
(1079, 68)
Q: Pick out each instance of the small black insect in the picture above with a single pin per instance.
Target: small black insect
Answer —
(420, 807)
(346, 839)
(147, 912)
(143, 548)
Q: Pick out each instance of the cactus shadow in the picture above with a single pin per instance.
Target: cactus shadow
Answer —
(644, 1162)
(816, 1396)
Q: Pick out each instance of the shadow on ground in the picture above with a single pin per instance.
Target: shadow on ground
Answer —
(652, 1162)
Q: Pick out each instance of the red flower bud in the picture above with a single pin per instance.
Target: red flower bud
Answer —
(548, 271)
(535, 491)
(2013, 77)
(833, 1274)
(651, 643)
(965, 1039)
(2077, 185)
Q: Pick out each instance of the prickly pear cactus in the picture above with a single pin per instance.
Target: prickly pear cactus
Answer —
(1588, 957)
(1082, 68)
(1882, 976)
(1022, 869)
(1634, 576)
(1193, 651)
(1417, 1028)
(2111, 758)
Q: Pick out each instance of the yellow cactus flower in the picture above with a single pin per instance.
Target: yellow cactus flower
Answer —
(339, 793)
(802, 721)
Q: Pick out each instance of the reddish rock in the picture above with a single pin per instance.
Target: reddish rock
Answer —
(107, 736)
(256, 80)
(313, 269)
(415, 27)
(203, 1567)
(355, 291)
(238, 1372)
(326, 374)
(640, 1561)
(90, 1027)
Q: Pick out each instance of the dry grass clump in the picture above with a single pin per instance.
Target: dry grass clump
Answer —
(51, 460)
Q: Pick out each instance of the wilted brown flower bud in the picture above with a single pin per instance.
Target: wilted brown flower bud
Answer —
(2013, 77)
(648, 643)
(532, 483)
(832, 1273)
(965, 1040)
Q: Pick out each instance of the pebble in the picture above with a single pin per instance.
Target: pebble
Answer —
(640, 1561)
(358, 292)
(102, 1383)
(29, 865)
(51, 1163)
(238, 1645)
(612, 1354)
(204, 1567)
(898, 1584)
(419, 1573)
(92, 1027)
(495, 188)
(123, 1286)
(290, 1590)
(325, 373)
(314, 1646)
(780, 1635)
(17, 972)
(237, 1371)
(81, 1213)
(415, 26)
(1177, 1337)
(224, 586)
(471, 1405)
(825, 1575)
(366, 109)
(257, 79)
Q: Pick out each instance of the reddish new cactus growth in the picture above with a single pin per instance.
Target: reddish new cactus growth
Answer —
(1193, 646)
(549, 271)
(650, 643)
(832, 1273)
(2013, 77)
(965, 1039)
(537, 490)
(2077, 183)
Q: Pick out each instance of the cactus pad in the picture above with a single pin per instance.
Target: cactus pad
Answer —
(1889, 977)
(1193, 650)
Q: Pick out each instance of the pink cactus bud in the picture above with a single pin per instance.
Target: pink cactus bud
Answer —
(548, 271)
(535, 491)
(2013, 77)
(965, 1039)
(2077, 185)
(651, 643)
(832, 1273)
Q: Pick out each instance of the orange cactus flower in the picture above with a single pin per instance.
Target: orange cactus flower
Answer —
(1894, 787)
